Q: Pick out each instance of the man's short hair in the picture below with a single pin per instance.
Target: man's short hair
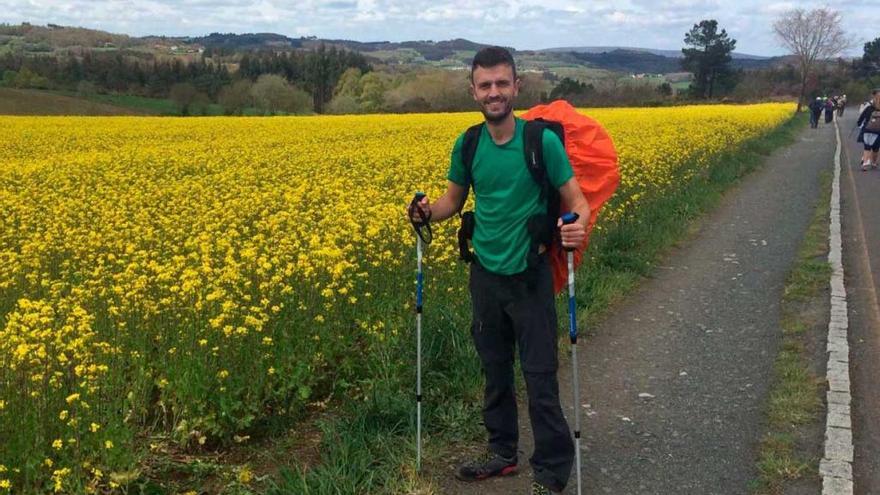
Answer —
(490, 57)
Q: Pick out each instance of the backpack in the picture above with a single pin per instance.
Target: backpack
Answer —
(593, 160)
(872, 123)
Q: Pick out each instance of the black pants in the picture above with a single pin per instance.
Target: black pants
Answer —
(510, 312)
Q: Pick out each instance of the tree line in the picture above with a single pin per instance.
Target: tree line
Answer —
(191, 83)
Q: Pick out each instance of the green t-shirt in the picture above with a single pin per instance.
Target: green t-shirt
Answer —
(506, 195)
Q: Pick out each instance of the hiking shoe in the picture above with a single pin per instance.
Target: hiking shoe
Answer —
(488, 465)
(864, 166)
(873, 165)
(539, 489)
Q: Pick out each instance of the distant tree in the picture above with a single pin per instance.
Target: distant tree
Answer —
(295, 100)
(869, 65)
(569, 88)
(8, 78)
(664, 89)
(811, 37)
(533, 90)
(272, 94)
(349, 83)
(268, 92)
(434, 90)
(235, 97)
(344, 104)
(184, 95)
(372, 91)
(709, 58)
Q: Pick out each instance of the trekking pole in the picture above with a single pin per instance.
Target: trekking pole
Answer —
(568, 218)
(423, 236)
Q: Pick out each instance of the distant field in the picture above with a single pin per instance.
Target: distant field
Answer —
(38, 102)
(34, 102)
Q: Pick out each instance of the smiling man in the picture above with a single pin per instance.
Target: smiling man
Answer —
(511, 284)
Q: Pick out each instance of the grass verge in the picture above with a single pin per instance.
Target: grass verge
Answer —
(790, 449)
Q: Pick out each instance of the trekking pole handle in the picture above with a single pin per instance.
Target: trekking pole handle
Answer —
(568, 218)
(414, 207)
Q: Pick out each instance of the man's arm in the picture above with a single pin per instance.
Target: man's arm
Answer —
(447, 205)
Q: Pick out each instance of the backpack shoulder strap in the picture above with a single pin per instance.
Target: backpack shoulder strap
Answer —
(533, 145)
(469, 148)
(468, 151)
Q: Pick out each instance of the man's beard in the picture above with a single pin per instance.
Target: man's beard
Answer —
(498, 117)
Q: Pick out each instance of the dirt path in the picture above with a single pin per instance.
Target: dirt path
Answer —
(699, 338)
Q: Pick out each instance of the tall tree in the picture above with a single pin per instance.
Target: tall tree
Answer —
(709, 58)
(869, 66)
(811, 37)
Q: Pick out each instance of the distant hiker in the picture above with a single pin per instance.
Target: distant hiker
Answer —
(816, 107)
(511, 284)
(869, 134)
(841, 105)
(829, 110)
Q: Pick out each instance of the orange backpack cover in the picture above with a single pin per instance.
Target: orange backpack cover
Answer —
(594, 161)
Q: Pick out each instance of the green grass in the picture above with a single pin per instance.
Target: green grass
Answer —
(795, 401)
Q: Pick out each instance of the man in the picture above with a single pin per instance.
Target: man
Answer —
(815, 111)
(513, 308)
(869, 131)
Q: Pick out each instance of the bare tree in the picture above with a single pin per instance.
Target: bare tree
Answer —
(811, 36)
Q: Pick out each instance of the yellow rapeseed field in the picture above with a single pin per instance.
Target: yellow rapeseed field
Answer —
(191, 276)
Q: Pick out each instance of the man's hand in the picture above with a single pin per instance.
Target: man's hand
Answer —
(573, 234)
(412, 211)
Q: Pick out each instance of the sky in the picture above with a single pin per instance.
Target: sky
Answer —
(521, 24)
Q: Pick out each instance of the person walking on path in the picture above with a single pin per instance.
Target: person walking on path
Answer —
(815, 111)
(829, 110)
(841, 105)
(511, 288)
(869, 131)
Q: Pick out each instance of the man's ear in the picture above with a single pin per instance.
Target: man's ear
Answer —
(472, 91)
(517, 85)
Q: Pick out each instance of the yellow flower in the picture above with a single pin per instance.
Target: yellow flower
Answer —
(57, 444)
(108, 444)
(245, 475)
(94, 427)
